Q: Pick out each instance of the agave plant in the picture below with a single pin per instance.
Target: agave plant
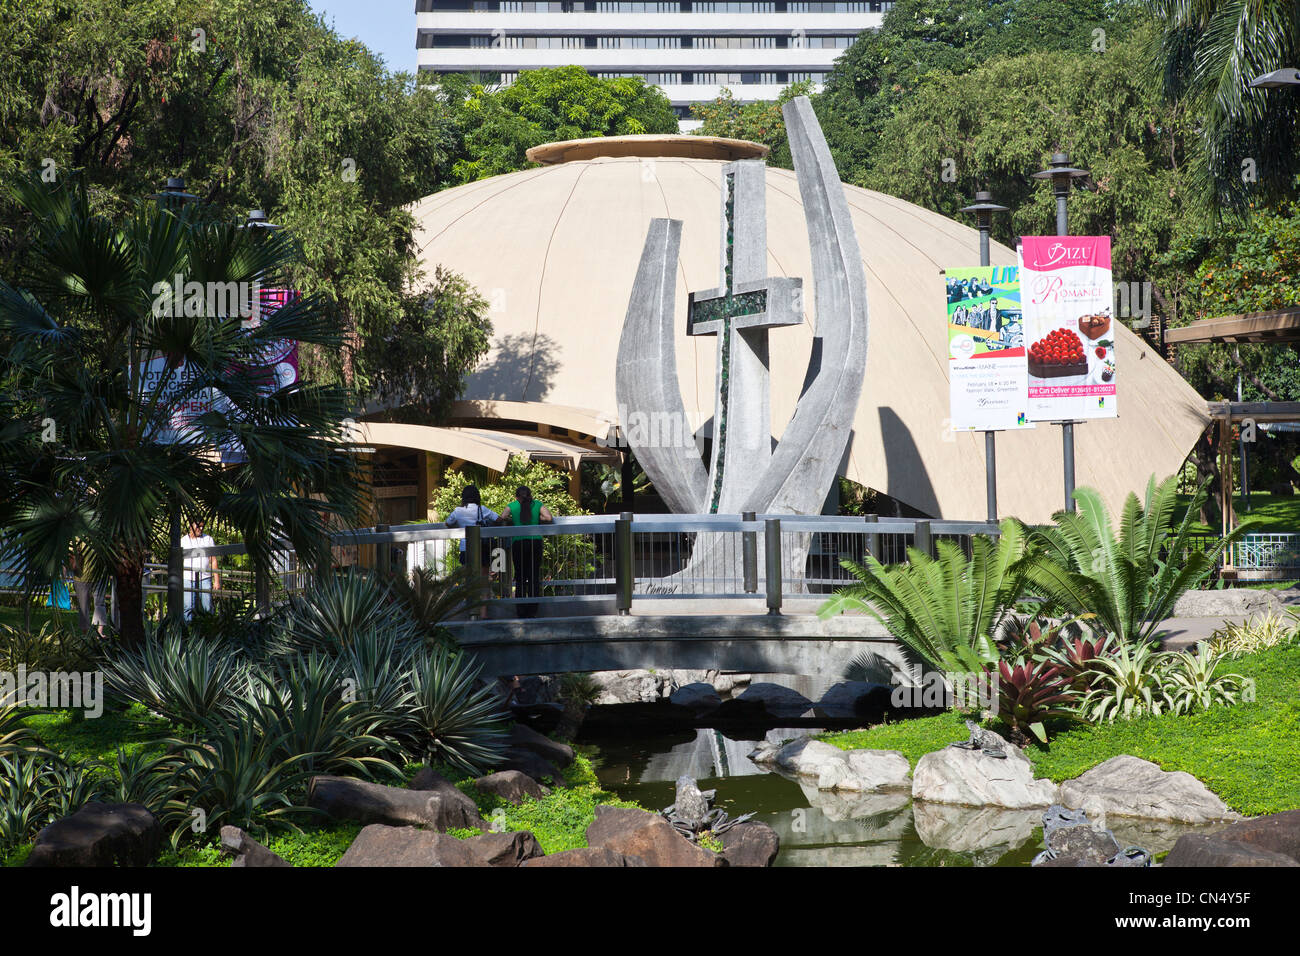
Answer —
(70, 786)
(376, 668)
(342, 609)
(140, 778)
(235, 774)
(1196, 683)
(14, 735)
(1130, 579)
(948, 609)
(307, 704)
(1030, 693)
(1133, 681)
(24, 797)
(186, 681)
(459, 720)
(430, 600)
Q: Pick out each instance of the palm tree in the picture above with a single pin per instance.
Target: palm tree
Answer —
(1205, 53)
(117, 411)
(947, 610)
(1128, 580)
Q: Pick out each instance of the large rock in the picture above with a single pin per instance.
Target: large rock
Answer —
(806, 757)
(699, 699)
(525, 738)
(647, 835)
(1277, 832)
(871, 770)
(852, 699)
(628, 687)
(504, 849)
(1127, 786)
(511, 786)
(1199, 849)
(100, 834)
(775, 700)
(381, 845)
(1232, 602)
(247, 851)
(439, 805)
(750, 844)
(974, 779)
(587, 856)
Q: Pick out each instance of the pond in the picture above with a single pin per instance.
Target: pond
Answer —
(821, 828)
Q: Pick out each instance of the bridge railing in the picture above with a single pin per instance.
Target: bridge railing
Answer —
(605, 563)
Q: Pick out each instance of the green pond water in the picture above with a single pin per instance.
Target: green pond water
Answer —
(819, 828)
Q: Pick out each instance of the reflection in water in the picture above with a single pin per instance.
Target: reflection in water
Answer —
(825, 828)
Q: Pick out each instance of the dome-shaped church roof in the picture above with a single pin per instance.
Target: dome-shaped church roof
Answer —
(555, 250)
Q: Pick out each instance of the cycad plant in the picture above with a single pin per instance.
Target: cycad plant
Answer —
(1129, 578)
(948, 609)
(107, 375)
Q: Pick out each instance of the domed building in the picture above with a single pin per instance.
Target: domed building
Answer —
(555, 250)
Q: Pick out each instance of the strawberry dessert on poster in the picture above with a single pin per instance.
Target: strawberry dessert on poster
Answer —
(1066, 299)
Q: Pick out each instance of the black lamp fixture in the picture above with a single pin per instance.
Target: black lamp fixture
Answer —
(1061, 173)
(173, 192)
(258, 220)
(984, 207)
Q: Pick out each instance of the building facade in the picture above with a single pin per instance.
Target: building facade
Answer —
(691, 49)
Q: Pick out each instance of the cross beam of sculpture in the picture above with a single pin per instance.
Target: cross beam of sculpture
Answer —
(740, 312)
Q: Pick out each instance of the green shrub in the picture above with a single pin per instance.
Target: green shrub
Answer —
(459, 720)
(1256, 634)
(185, 680)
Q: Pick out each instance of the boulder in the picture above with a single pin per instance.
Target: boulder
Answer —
(699, 698)
(1199, 849)
(810, 758)
(727, 684)
(504, 849)
(1277, 833)
(440, 806)
(776, 700)
(100, 834)
(247, 851)
(974, 779)
(532, 765)
(853, 698)
(647, 835)
(871, 770)
(750, 844)
(381, 845)
(525, 738)
(1127, 786)
(511, 786)
(1232, 602)
(587, 856)
(627, 687)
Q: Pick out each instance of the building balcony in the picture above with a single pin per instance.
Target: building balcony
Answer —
(648, 24)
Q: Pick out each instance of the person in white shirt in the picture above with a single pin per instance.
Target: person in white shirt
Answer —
(201, 574)
(471, 512)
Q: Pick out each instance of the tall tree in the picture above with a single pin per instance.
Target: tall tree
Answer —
(123, 392)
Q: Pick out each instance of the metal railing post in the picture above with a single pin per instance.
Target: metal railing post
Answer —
(873, 539)
(474, 553)
(922, 539)
(623, 572)
(772, 549)
(749, 549)
(384, 554)
(176, 568)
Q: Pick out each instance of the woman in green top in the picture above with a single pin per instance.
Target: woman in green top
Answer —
(527, 551)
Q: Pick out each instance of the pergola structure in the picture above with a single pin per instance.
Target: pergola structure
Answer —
(1278, 327)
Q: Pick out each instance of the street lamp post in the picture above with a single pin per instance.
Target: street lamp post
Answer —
(1062, 174)
(259, 226)
(173, 196)
(984, 207)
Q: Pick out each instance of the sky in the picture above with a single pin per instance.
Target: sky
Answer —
(386, 26)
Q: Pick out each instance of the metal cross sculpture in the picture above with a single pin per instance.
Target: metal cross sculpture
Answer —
(740, 312)
(745, 471)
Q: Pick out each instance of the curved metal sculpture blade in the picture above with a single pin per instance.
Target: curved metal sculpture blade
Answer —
(808, 455)
(646, 386)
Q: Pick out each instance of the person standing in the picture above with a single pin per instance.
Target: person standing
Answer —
(471, 512)
(527, 550)
(201, 576)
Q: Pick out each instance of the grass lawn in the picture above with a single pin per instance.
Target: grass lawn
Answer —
(1249, 754)
(1276, 514)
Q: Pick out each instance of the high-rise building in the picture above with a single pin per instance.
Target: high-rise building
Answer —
(691, 49)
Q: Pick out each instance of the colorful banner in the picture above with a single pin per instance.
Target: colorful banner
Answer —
(986, 355)
(1067, 294)
(278, 364)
